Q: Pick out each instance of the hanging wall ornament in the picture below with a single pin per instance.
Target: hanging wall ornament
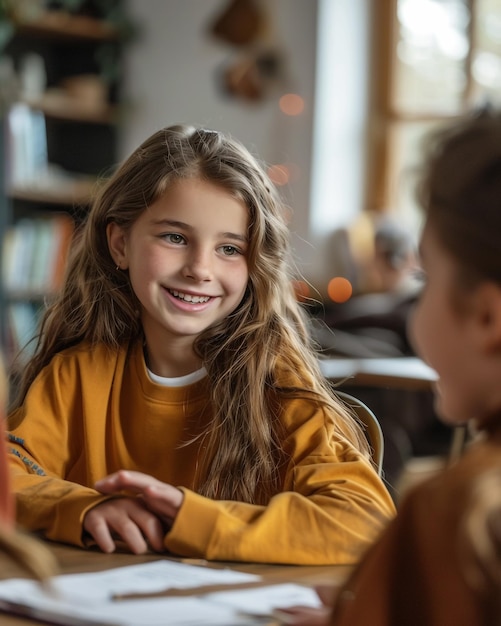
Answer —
(258, 67)
(252, 76)
(241, 23)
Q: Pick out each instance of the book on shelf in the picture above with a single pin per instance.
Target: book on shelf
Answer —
(22, 325)
(27, 159)
(29, 174)
(34, 255)
(19, 241)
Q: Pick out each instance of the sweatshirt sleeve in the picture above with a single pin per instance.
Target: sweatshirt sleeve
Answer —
(331, 509)
(420, 570)
(44, 500)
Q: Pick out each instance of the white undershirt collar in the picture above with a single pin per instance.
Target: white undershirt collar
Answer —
(179, 381)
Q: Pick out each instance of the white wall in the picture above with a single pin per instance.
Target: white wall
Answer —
(340, 127)
(171, 76)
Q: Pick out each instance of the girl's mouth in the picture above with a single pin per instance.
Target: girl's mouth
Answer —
(187, 297)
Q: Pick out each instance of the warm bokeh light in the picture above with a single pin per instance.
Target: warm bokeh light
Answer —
(294, 171)
(301, 289)
(283, 173)
(279, 174)
(339, 289)
(291, 104)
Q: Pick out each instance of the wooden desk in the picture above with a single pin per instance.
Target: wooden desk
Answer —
(392, 372)
(75, 560)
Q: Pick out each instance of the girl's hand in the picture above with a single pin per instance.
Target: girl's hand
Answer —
(160, 498)
(127, 519)
(303, 616)
(310, 616)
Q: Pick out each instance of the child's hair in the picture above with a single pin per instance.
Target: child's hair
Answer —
(460, 191)
(248, 353)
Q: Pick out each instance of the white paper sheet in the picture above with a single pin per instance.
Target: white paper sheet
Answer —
(191, 611)
(262, 601)
(150, 577)
(87, 599)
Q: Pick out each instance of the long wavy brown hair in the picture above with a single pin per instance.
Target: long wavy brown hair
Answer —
(249, 355)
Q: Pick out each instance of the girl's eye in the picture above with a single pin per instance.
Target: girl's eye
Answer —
(174, 238)
(230, 250)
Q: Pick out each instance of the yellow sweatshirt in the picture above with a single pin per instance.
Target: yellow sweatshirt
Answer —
(93, 411)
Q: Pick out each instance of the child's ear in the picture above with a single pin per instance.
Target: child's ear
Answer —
(117, 245)
(487, 311)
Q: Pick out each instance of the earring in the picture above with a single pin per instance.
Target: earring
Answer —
(118, 267)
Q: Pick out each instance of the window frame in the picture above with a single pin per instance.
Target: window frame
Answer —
(385, 117)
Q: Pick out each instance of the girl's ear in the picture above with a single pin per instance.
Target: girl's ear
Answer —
(117, 245)
(487, 312)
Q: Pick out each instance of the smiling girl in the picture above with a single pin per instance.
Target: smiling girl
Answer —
(174, 400)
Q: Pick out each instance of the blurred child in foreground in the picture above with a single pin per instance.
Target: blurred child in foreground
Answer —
(439, 562)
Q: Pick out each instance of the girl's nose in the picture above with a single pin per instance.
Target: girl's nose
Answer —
(198, 266)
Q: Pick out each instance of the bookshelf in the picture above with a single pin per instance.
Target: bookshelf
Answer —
(59, 138)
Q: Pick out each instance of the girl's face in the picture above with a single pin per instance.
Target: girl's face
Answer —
(187, 262)
(449, 338)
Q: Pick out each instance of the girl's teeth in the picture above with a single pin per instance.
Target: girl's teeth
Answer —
(188, 298)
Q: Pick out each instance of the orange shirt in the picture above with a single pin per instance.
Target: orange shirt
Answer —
(93, 411)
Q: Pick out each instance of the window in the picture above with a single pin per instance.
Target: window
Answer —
(434, 60)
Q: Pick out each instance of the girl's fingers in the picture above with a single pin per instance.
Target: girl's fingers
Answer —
(152, 529)
(327, 593)
(125, 479)
(130, 534)
(303, 616)
(165, 500)
(95, 525)
(126, 519)
(136, 525)
(160, 498)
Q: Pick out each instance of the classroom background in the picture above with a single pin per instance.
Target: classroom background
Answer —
(334, 95)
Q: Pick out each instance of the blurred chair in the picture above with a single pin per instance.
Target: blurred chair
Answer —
(373, 429)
